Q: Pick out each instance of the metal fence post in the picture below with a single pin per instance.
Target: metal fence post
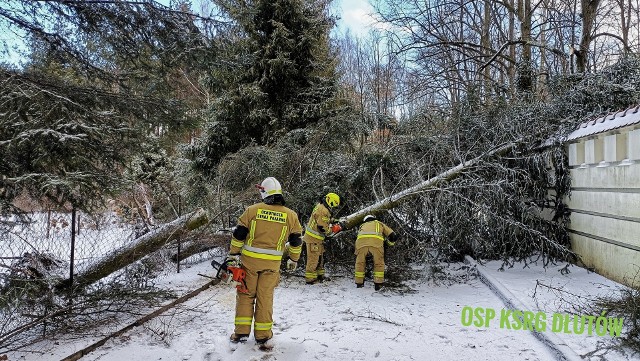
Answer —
(73, 245)
(178, 255)
(179, 238)
(48, 223)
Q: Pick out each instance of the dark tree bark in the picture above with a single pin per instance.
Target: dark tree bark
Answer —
(589, 11)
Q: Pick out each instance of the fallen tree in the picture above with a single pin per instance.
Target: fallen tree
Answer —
(354, 219)
(140, 247)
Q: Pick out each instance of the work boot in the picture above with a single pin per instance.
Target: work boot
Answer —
(359, 285)
(265, 344)
(378, 286)
(320, 279)
(238, 338)
(312, 282)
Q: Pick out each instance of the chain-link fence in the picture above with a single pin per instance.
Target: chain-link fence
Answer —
(44, 255)
(72, 240)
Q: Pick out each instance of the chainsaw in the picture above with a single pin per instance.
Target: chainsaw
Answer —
(229, 274)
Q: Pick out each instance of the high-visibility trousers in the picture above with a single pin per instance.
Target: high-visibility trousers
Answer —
(378, 263)
(257, 304)
(315, 260)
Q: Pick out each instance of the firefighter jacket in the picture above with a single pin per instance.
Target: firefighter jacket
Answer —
(373, 234)
(318, 226)
(262, 232)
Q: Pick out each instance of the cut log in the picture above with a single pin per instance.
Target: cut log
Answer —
(140, 247)
(354, 219)
(189, 249)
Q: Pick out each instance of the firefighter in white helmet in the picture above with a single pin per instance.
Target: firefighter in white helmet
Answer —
(263, 232)
(318, 228)
(371, 238)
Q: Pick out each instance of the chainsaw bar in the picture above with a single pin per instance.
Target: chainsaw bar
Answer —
(221, 273)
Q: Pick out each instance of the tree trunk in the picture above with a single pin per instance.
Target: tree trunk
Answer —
(143, 191)
(512, 49)
(191, 248)
(354, 219)
(625, 22)
(543, 72)
(140, 247)
(589, 9)
(485, 41)
(525, 82)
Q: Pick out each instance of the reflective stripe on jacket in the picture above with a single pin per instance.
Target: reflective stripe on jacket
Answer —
(320, 218)
(269, 228)
(372, 234)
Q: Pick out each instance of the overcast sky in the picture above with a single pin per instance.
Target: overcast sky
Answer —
(355, 15)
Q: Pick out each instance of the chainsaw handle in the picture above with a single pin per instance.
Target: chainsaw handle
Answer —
(228, 273)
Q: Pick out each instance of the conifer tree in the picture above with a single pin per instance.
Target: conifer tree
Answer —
(281, 76)
(96, 80)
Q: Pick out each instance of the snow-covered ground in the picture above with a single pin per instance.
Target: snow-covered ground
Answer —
(549, 291)
(337, 321)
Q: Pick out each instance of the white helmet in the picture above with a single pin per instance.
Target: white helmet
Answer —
(269, 187)
(369, 217)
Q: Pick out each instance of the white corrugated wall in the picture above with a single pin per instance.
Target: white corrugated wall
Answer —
(605, 202)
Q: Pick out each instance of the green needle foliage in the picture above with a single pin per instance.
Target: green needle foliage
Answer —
(280, 76)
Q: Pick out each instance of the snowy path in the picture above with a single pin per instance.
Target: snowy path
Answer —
(331, 321)
(549, 291)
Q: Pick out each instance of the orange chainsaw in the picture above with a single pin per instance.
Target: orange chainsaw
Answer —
(228, 274)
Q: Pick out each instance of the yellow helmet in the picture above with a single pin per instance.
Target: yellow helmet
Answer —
(332, 200)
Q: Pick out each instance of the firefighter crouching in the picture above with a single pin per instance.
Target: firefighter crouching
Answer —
(371, 238)
(317, 229)
(258, 242)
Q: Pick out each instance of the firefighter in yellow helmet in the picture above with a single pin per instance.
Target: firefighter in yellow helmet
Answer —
(371, 238)
(318, 228)
(263, 232)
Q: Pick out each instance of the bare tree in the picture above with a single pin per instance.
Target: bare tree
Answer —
(453, 44)
(588, 15)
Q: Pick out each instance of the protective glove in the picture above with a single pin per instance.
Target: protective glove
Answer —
(335, 228)
(291, 265)
(233, 260)
(327, 240)
(392, 239)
